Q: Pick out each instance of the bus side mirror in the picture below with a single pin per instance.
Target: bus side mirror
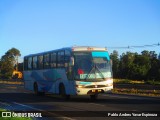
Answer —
(71, 63)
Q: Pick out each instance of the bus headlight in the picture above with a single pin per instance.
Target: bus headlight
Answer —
(109, 83)
(80, 86)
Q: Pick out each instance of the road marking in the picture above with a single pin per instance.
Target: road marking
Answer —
(135, 110)
(129, 96)
(116, 96)
(96, 104)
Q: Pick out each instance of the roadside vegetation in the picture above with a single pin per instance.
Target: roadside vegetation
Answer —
(127, 81)
(133, 90)
(136, 69)
(11, 81)
(143, 68)
(9, 63)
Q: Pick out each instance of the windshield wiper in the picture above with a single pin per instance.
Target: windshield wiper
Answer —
(100, 72)
(96, 68)
(90, 72)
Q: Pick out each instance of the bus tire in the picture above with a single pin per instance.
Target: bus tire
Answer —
(62, 92)
(36, 90)
(94, 97)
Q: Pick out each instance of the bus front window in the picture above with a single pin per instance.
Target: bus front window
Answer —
(82, 64)
(89, 66)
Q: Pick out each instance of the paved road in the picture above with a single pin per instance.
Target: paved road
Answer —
(15, 98)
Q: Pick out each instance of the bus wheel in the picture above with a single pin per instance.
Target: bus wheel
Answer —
(62, 92)
(94, 97)
(36, 90)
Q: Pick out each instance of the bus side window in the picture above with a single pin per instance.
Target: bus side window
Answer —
(60, 59)
(29, 63)
(66, 64)
(46, 60)
(35, 62)
(40, 62)
(53, 60)
(67, 58)
(25, 63)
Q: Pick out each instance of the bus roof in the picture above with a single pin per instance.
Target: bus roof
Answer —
(74, 48)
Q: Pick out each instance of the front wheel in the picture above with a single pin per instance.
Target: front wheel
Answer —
(62, 92)
(94, 97)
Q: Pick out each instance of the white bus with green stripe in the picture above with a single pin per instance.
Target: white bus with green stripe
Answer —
(69, 71)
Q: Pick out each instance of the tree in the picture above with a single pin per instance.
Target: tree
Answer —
(159, 56)
(141, 67)
(14, 54)
(115, 63)
(126, 65)
(145, 53)
(8, 62)
(154, 72)
(144, 66)
(153, 54)
(6, 67)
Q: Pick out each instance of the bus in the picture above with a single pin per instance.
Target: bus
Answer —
(78, 70)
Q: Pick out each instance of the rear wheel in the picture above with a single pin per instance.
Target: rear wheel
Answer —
(36, 90)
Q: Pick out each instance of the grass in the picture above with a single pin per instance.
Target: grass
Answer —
(153, 82)
(136, 91)
(126, 81)
(11, 82)
(155, 93)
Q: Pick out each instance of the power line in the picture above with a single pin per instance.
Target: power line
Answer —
(130, 47)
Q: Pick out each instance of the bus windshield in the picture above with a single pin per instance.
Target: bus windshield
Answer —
(92, 66)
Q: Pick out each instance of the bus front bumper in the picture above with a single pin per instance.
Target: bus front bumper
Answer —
(92, 91)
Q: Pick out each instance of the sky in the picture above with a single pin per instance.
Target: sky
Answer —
(34, 26)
